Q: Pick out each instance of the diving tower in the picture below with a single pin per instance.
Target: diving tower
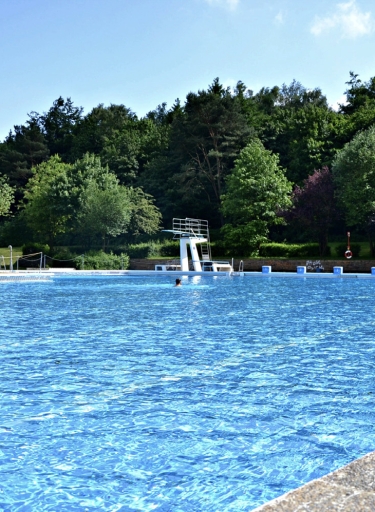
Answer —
(192, 232)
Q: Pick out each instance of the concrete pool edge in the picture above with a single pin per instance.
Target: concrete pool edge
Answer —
(348, 489)
(54, 272)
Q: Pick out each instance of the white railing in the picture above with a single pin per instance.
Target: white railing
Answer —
(193, 228)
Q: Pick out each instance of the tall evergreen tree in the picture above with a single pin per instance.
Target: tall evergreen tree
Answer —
(206, 137)
(22, 149)
(58, 126)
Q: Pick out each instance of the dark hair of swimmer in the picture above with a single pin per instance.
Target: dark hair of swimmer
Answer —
(178, 282)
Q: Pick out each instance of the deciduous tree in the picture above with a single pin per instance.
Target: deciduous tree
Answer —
(314, 207)
(86, 198)
(257, 190)
(354, 174)
(48, 207)
(6, 196)
(105, 210)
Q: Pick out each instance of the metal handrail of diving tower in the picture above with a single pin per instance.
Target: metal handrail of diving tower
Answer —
(192, 232)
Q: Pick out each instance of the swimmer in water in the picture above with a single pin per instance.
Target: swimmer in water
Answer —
(178, 282)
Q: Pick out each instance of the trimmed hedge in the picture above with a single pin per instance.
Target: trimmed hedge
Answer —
(103, 261)
(170, 248)
(154, 249)
(270, 250)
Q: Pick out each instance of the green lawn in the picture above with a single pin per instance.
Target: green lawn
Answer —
(4, 251)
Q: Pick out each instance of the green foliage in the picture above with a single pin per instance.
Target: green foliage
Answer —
(145, 216)
(143, 250)
(305, 138)
(85, 198)
(130, 149)
(154, 249)
(182, 156)
(355, 248)
(270, 250)
(6, 196)
(245, 239)
(24, 148)
(354, 174)
(205, 138)
(58, 126)
(103, 261)
(358, 95)
(219, 249)
(32, 248)
(170, 248)
(98, 128)
(15, 231)
(48, 206)
(256, 191)
(105, 212)
(64, 258)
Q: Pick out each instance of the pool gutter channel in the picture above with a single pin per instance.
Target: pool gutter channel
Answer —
(348, 489)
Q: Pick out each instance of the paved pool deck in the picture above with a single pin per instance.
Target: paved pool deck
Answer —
(348, 489)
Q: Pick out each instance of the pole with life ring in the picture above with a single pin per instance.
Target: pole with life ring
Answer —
(348, 252)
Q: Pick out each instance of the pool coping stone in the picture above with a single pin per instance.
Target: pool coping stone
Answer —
(348, 489)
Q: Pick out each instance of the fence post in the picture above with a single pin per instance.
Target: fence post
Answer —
(11, 258)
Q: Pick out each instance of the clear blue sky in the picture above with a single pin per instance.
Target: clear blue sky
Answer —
(144, 52)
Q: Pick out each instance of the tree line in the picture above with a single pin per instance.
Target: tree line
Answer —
(279, 164)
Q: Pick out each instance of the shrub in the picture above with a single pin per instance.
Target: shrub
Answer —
(15, 232)
(32, 248)
(219, 249)
(141, 250)
(103, 261)
(170, 248)
(154, 249)
(32, 257)
(342, 248)
(291, 250)
(63, 258)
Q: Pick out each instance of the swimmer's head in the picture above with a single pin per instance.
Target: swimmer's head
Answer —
(178, 282)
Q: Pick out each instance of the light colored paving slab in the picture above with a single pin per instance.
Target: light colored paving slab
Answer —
(349, 489)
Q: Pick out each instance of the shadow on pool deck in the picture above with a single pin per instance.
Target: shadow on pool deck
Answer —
(349, 489)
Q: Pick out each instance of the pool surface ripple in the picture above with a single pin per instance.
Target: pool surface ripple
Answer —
(126, 393)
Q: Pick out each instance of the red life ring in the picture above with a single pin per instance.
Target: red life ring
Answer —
(348, 254)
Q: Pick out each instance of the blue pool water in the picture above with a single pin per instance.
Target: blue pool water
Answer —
(126, 393)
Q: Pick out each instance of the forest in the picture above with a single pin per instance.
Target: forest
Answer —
(279, 165)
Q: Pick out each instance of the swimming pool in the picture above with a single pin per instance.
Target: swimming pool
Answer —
(126, 393)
